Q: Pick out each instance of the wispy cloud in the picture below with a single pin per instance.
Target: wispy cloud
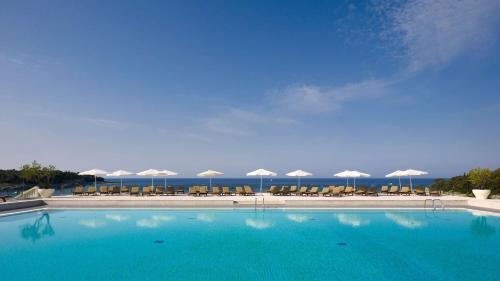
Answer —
(315, 99)
(240, 122)
(431, 33)
(107, 123)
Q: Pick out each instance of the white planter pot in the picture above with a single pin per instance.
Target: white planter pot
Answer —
(481, 193)
(45, 193)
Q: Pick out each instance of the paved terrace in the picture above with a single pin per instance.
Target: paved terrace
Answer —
(259, 201)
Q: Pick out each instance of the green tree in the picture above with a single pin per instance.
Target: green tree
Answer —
(480, 178)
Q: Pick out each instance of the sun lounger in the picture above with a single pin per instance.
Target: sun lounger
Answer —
(293, 190)
(103, 189)
(124, 190)
(405, 190)
(313, 191)
(78, 190)
(203, 190)
(159, 190)
(393, 190)
(341, 189)
(419, 191)
(303, 190)
(349, 190)
(147, 190)
(170, 190)
(226, 190)
(91, 190)
(114, 190)
(134, 190)
(361, 191)
(372, 191)
(248, 190)
(325, 191)
(180, 190)
(239, 190)
(215, 191)
(384, 189)
(3, 198)
(193, 190)
(285, 190)
(335, 191)
(434, 192)
(273, 190)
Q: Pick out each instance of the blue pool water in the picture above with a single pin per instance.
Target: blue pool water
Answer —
(247, 245)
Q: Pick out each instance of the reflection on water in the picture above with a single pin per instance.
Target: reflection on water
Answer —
(205, 217)
(117, 217)
(405, 220)
(39, 228)
(480, 227)
(297, 218)
(154, 222)
(92, 223)
(352, 220)
(258, 223)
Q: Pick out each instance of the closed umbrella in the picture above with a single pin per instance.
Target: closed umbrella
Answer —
(166, 173)
(149, 173)
(95, 173)
(261, 173)
(299, 174)
(210, 174)
(120, 173)
(351, 174)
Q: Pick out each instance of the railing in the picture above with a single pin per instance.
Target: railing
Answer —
(29, 194)
(433, 204)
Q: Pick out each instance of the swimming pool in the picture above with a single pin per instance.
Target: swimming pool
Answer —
(247, 245)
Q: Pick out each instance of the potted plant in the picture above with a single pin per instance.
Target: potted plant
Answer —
(480, 179)
(45, 190)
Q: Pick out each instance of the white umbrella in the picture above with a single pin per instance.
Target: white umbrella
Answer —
(261, 173)
(210, 174)
(299, 174)
(166, 173)
(398, 174)
(150, 172)
(411, 172)
(120, 173)
(95, 173)
(351, 174)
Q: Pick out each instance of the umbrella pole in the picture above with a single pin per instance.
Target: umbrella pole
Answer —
(165, 183)
(399, 179)
(347, 184)
(354, 179)
(298, 179)
(260, 184)
(411, 186)
(95, 182)
(210, 183)
(121, 183)
(152, 183)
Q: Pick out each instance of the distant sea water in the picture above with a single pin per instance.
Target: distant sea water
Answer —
(255, 182)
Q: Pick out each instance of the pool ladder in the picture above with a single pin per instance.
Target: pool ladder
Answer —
(432, 202)
(255, 203)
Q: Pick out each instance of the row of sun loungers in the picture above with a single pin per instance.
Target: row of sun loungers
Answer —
(246, 190)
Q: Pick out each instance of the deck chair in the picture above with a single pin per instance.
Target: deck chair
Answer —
(313, 191)
(303, 190)
(159, 190)
(293, 190)
(248, 190)
(239, 191)
(170, 190)
(384, 189)
(405, 190)
(192, 190)
(124, 189)
(203, 190)
(147, 190)
(372, 191)
(361, 191)
(393, 190)
(180, 190)
(215, 191)
(325, 191)
(91, 190)
(78, 190)
(103, 189)
(349, 190)
(226, 190)
(434, 192)
(419, 191)
(134, 190)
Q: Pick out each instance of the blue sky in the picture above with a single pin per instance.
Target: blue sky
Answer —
(239, 85)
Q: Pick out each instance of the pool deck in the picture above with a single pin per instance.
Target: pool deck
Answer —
(259, 201)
